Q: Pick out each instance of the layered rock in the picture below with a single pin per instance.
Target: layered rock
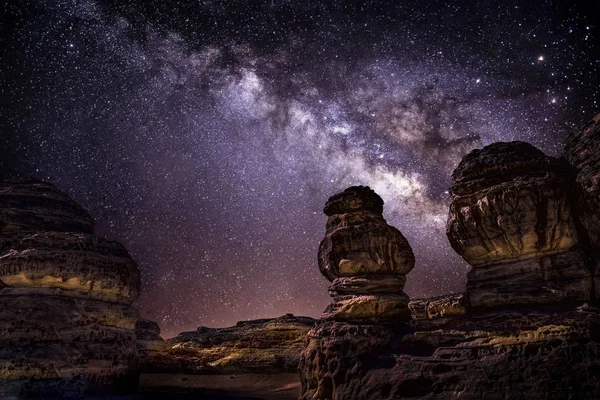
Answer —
(440, 306)
(550, 353)
(153, 351)
(511, 219)
(582, 150)
(253, 358)
(29, 206)
(67, 326)
(365, 259)
(270, 345)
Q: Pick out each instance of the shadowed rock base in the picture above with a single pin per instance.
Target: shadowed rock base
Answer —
(552, 353)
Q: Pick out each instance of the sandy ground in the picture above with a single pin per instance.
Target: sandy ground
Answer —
(243, 386)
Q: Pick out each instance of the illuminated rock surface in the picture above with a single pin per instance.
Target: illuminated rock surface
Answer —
(550, 353)
(67, 326)
(545, 346)
(257, 358)
(365, 259)
(511, 219)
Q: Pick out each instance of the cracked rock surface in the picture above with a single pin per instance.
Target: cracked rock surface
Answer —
(511, 218)
(365, 259)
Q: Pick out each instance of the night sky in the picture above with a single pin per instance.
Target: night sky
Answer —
(207, 136)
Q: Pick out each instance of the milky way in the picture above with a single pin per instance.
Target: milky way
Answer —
(207, 137)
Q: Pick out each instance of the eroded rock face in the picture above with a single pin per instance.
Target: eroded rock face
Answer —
(511, 219)
(551, 353)
(365, 259)
(70, 264)
(258, 346)
(29, 206)
(257, 359)
(56, 346)
(67, 327)
(441, 306)
(582, 150)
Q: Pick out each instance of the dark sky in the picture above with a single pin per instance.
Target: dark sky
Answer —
(207, 136)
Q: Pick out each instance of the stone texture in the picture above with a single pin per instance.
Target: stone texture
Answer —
(55, 346)
(70, 264)
(257, 359)
(549, 353)
(67, 327)
(441, 306)
(153, 350)
(511, 219)
(582, 150)
(258, 346)
(28, 206)
(365, 259)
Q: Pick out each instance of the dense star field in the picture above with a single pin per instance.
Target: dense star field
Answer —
(207, 135)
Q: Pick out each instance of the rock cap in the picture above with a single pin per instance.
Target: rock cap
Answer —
(354, 199)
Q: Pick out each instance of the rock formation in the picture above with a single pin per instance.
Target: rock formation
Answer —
(501, 354)
(67, 325)
(253, 358)
(365, 259)
(511, 219)
(582, 150)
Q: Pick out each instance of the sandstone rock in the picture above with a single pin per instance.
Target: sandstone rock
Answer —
(67, 327)
(582, 150)
(257, 359)
(365, 259)
(258, 346)
(434, 307)
(551, 353)
(153, 350)
(28, 206)
(511, 219)
(55, 346)
(70, 264)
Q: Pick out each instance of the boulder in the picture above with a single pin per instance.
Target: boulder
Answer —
(511, 219)
(365, 259)
(550, 353)
(67, 327)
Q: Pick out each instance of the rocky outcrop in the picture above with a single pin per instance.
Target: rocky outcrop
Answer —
(256, 358)
(511, 219)
(440, 306)
(67, 326)
(551, 353)
(265, 345)
(365, 259)
(582, 150)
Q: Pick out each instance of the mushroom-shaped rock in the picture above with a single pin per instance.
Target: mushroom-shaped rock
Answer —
(365, 259)
(67, 327)
(510, 218)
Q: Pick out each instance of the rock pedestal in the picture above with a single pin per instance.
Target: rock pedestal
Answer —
(511, 219)
(582, 149)
(365, 259)
(67, 327)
